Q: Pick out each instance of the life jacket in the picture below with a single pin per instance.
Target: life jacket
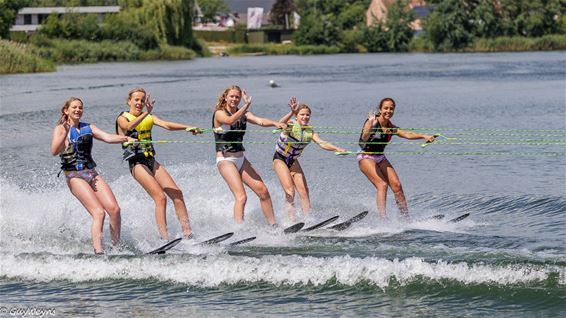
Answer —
(377, 139)
(77, 155)
(292, 143)
(142, 132)
(232, 138)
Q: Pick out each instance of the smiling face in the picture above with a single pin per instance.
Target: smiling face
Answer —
(75, 110)
(303, 116)
(387, 109)
(233, 98)
(136, 103)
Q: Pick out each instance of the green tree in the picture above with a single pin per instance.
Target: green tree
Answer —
(317, 29)
(532, 17)
(393, 34)
(210, 8)
(71, 26)
(8, 12)
(398, 21)
(486, 19)
(374, 38)
(282, 12)
(352, 16)
(170, 21)
(448, 26)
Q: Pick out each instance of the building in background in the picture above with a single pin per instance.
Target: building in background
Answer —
(29, 19)
(377, 11)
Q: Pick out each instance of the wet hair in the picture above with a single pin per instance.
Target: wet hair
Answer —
(135, 90)
(221, 103)
(386, 99)
(304, 106)
(63, 119)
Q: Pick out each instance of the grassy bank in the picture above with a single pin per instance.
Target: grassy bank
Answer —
(281, 49)
(42, 54)
(501, 44)
(20, 58)
(544, 43)
(81, 51)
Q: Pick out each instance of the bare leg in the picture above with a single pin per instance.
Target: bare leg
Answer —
(231, 175)
(288, 186)
(252, 179)
(375, 176)
(393, 180)
(172, 190)
(108, 200)
(85, 194)
(146, 179)
(302, 187)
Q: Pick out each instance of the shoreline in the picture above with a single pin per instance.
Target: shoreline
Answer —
(21, 58)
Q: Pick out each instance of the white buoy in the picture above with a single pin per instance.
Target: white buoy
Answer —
(272, 83)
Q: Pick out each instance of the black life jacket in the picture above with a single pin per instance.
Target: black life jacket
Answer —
(231, 136)
(376, 135)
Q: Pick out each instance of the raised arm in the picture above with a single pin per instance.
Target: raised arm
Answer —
(294, 105)
(58, 139)
(109, 138)
(370, 122)
(224, 119)
(325, 145)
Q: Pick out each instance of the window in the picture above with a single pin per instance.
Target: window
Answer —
(27, 18)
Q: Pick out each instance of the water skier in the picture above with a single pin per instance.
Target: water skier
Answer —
(72, 140)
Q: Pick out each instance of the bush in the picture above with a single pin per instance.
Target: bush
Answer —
(19, 58)
(168, 52)
(374, 38)
(317, 29)
(82, 51)
(85, 27)
(544, 43)
(280, 49)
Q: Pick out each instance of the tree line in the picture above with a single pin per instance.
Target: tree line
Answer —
(451, 24)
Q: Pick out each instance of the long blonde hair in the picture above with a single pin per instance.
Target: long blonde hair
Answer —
(64, 118)
(221, 103)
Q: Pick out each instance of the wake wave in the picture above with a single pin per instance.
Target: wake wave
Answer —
(211, 271)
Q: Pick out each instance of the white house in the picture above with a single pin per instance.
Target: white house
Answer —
(29, 19)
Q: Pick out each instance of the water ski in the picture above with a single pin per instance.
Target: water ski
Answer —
(321, 224)
(436, 217)
(169, 245)
(294, 228)
(246, 240)
(217, 239)
(460, 218)
(346, 224)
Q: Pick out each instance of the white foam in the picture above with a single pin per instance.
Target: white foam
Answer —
(214, 270)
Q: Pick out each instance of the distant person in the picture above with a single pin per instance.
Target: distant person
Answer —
(150, 174)
(291, 143)
(72, 140)
(230, 160)
(376, 134)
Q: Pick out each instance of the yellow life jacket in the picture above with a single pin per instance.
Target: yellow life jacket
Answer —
(141, 132)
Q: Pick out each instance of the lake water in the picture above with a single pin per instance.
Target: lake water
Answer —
(508, 259)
